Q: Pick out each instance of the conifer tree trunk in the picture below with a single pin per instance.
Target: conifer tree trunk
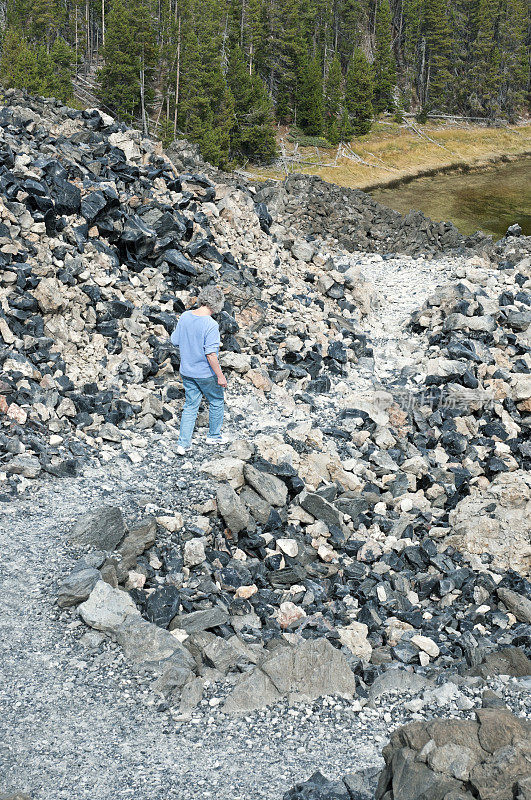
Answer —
(142, 99)
(87, 22)
(177, 74)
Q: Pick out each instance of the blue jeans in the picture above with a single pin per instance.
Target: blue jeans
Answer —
(194, 389)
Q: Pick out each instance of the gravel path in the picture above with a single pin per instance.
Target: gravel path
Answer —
(403, 285)
(77, 724)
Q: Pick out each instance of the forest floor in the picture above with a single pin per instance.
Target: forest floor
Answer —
(397, 152)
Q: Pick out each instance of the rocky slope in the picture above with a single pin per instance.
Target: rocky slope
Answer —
(370, 521)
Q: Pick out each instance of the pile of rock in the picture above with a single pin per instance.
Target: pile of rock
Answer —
(382, 526)
(306, 205)
(102, 244)
(488, 758)
(441, 759)
(284, 608)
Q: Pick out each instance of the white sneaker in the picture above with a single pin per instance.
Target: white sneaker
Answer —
(220, 440)
(181, 451)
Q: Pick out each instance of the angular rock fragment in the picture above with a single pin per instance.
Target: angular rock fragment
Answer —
(77, 587)
(107, 608)
(149, 647)
(233, 511)
(200, 620)
(272, 489)
(101, 527)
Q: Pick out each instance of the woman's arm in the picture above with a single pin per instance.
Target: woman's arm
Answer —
(214, 363)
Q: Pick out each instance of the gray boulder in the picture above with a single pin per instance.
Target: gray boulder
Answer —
(318, 788)
(510, 661)
(447, 759)
(26, 465)
(233, 511)
(101, 527)
(107, 608)
(151, 648)
(172, 680)
(141, 536)
(362, 785)
(257, 506)
(272, 489)
(354, 786)
(220, 654)
(519, 605)
(398, 680)
(77, 587)
(311, 669)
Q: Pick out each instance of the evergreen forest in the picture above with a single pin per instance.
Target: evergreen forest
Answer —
(224, 73)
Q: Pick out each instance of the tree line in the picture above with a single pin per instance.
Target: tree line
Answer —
(223, 72)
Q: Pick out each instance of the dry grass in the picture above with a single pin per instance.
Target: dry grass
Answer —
(396, 152)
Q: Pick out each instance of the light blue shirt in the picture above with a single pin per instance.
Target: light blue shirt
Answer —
(196, 337)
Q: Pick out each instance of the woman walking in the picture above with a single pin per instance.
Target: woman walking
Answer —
(197, 337)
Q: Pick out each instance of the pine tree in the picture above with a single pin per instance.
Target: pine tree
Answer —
(252, 136)
(359, 93)
(31, 67)
(384, 61)
(285, 53)
(61, 58)
(514, 56)
(206, 106)
(334, 133)
(333, 92)
(18, 66)
(310, 107)
(347, 23)
(460, 56)
(45, 17)
(130, 55)
(436, 83)
(346, 131)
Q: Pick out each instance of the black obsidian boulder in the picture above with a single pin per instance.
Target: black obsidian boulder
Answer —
(162, 605)
(137, 239)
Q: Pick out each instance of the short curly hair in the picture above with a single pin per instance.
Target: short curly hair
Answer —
(213, 297)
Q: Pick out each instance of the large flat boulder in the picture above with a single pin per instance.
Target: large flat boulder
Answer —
(151, 648)
(311, 669)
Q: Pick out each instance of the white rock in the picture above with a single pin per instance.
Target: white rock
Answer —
(171, 523)
(426, 644)
(226, 469)
(107, 608)
(194, 552)
(302, 251)
(288, 546)
(406, 504)
(354, 637)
